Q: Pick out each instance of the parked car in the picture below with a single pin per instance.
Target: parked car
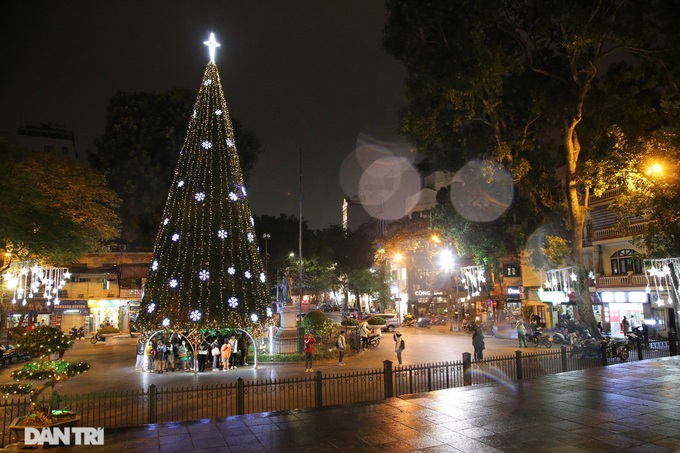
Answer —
(351, 312)
(392, 321)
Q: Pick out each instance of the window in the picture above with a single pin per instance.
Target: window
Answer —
(512, 271)
(625, 261)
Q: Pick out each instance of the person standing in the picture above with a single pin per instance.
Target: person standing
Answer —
(242, 349)
(184, 355)
(521, 334)
(149, 352)
(399, 345)
(626, 325)
(225, 352)
(202, 355)
(161, 357)
(309, 352)
(363, 334)
(215, 351)
(233, 344)
(341, 348)
(172, 356)
(140, 365)
(478, 344)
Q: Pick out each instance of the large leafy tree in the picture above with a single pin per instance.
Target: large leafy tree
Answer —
(52, 209)
(140, 148)
(536, 86)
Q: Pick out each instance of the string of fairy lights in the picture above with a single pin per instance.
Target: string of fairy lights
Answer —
(206, 270)
(473, 277)
(560, 281)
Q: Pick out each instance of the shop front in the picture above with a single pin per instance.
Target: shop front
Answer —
(633, 305)
(106, 312)
(72, 313)
(34, 313)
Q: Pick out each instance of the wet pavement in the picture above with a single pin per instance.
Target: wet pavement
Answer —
(629, 407)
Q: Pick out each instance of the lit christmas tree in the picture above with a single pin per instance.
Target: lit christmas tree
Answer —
(206, 271)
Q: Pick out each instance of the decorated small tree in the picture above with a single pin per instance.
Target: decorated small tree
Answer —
(43, 343)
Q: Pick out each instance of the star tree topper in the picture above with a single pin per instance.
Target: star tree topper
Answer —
(212, 44)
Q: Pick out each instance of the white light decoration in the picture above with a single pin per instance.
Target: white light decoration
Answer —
(230, 142)
(573, 276)
(474, 277)
(231, 270)
(25, 278)
(243, 190)
(252, 221)
(270, 313)
(263, 277)
(233, 196)
(200, 196)
(662, 277)
(218, 112)
(247, 274)
(254, 317)
(173, 283)
(204, 275)
(193, 115)
(212, 45)
(154, 265)
(180, 183)
(222, 234)
(206, 144)
(251, 237)
(151, 307)
(233, 302)
(195, 315)
(175, 237)
(166, 322)
(207, 82)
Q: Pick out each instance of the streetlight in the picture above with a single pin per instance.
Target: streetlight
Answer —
(266, 237)
(447, 262)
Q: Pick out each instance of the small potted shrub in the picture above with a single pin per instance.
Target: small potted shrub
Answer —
(43, 344)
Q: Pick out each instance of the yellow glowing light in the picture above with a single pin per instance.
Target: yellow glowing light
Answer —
(436, 239)
(397, 257)
(655, 169)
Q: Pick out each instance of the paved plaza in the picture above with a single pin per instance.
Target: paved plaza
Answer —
(630, 407)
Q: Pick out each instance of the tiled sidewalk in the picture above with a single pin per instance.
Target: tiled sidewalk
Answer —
(632, 407)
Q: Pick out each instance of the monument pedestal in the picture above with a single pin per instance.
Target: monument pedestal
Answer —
(286, 338)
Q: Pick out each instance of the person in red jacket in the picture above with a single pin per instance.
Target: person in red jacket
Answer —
(309, 352)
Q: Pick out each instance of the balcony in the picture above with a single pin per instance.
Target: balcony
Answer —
(619, 281)
(130, 293)
(613, 233)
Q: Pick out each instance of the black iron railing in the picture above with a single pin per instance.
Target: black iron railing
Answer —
(159, 405)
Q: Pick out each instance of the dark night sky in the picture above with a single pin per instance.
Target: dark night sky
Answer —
(302, 74)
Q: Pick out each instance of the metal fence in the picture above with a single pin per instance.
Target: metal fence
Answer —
(160, 405)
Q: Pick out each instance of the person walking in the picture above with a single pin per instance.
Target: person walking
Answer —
(341, 347)
(521, 334)
(140, 365)
(478, 344)
(399, 345)
(216, 354)
(363, 334)
(225, 352)
(309, 352)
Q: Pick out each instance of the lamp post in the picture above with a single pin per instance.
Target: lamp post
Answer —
(446, 260)
(266, 237)
(397, 259)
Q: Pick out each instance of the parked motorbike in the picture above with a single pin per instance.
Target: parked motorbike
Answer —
(425, 321)
(408, 321)
(635, 336)
(374, 340)
(78, 334)
(538, 338)
(10, 356)
(96, 337)
(586, 348)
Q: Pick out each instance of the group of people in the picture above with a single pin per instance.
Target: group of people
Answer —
(341, 345)
(157, 355)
